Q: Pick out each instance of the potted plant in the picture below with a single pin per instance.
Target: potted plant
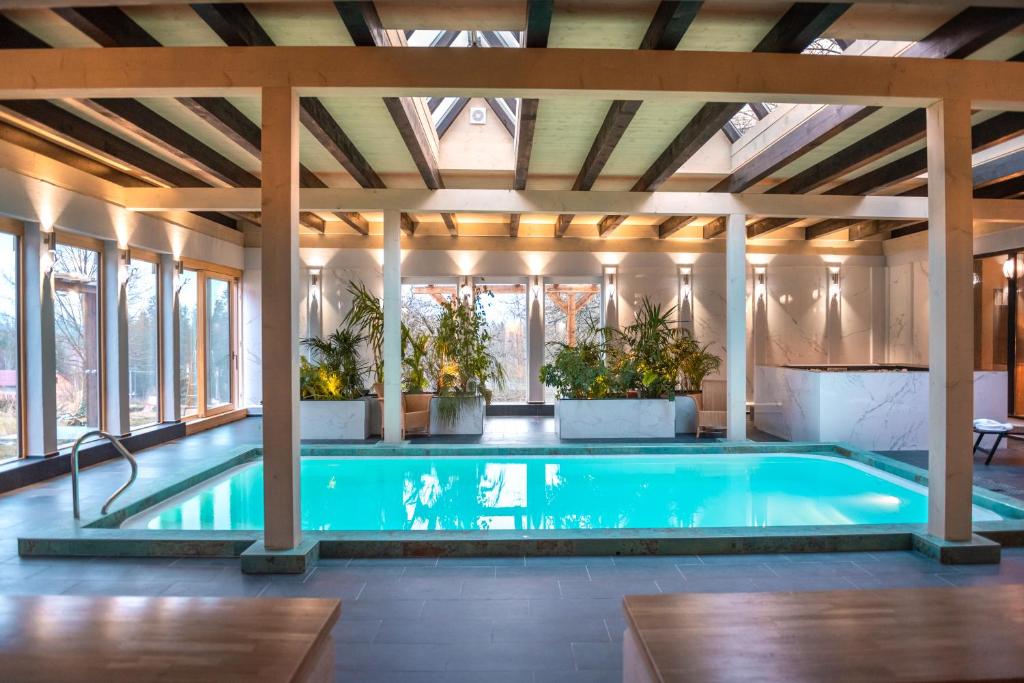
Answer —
(331, 388)
(367, 316)
(463, 367)
(618, 383)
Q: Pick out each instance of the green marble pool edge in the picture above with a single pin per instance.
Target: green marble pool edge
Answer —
(102, 536)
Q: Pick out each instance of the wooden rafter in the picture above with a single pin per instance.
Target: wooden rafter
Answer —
(668, 26)
(797, 28)
(364, 26)
(962, 35)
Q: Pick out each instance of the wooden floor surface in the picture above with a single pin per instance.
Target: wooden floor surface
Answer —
(928, 634)
(140, 639)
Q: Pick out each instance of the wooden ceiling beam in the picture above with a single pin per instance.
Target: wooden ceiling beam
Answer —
(668, 26)
(673, 225)
(797, 28)
(765, 226)
(365, 28)
(715, 227)
(959, 37)
(538, 26)
(448, 118)
(503, 116)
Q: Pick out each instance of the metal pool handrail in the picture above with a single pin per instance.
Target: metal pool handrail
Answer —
(116, 443)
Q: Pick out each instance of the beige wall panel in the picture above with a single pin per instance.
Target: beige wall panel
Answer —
(50, 28)
(367, 122)
(493, 15)
(1004, 47)
(304, 23)
(564, 133)
(467, 146)
(893, 21)
(174, 25)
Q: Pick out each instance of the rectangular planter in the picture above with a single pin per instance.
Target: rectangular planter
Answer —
(686, 413)
(469, 422)
(334, 420)
(616, 418)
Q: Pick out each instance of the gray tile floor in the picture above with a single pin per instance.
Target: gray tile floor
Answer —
(498, 620)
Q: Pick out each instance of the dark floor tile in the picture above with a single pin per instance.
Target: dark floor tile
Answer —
(476, 609)
(789, 584)
(509, 657)
(445, 572)
(597, 656)
(738, 584)
(509, 587)
(590, 561)
(551, 571)
(536, 630)
(727, 571)
(744, 559)
(381, 609)
(356, 630)
(609, 588)
(437, 631)
(329, 588)
(402, 588)
(575, 608)
(607, 676)
(380, 657)
(218, 589)
(625, 561)
(635, 572)
(819, 569)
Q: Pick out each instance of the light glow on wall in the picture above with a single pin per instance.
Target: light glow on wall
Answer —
(760, 283)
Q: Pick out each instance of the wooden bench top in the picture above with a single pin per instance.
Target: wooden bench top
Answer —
(928, 634)
(138, 639)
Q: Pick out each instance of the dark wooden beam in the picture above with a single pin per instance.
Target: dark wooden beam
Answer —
(503, 116)
(868, 229)
(998, 170)
(319, 122)
(107, 26)
(673, 225)
(797, 28)
(228, 120)
(448, 118)
(144, 122)
(767, 225)
(14, 37)
(408, 224)
(364, 26)
(715, 227)
(909, 230)
(667, 27)
(234, 24)
(968, 31)
(513, 225)
(827, 227)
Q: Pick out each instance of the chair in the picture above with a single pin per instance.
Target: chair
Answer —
(998, 429)
(416, 413)
(711, 406)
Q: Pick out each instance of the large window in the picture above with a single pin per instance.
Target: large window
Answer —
(188, 341)
(219, 340)
(9, 417)
(77, 328)
(207, 339)
(141, 289)
(505, 305)
(571, 312)
(421, 305)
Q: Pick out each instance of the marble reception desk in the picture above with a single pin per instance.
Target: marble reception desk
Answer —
(875, 407)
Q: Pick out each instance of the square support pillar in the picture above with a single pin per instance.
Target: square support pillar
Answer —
(40, 355)
(392, 347)
(280, 319)
(950, 310)
(170, 342)
(736, 326)
(114, 307)
(535, 337)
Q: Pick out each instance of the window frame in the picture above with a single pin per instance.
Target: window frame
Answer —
(15, 228)
(154, 258)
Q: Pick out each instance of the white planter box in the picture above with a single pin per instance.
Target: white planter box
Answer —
(469, 422)
(617, 418)
(686, 414)
(330, 420)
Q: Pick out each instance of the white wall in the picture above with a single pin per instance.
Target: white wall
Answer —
(794, 327)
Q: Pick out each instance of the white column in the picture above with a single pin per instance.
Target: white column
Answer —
(535, 337)
(392, 351)
(280, 319)
(115, 340)
(170, 357)
(950, 310)
(736, 325)
(40, 356)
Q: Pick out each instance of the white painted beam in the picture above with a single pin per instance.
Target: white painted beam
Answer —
(647, 75)
(950, 310)
(280, 318)
(736, 326)
(565, 201)
(392, 347)
(40, 356)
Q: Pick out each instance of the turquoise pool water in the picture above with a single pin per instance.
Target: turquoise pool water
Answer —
(613, 492)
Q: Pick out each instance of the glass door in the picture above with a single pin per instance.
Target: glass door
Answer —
(219, 341)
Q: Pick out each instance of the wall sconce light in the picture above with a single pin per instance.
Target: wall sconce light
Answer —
(760, 286)
(126, 256)
(609, 280)
(50, 242)
(179, 268)
(1010, 268)
(833, 283)
(314, 283)
(535, 286)
(465, 287)
(975, 279)
(685, 288)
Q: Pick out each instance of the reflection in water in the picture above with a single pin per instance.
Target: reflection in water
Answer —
(559, 493)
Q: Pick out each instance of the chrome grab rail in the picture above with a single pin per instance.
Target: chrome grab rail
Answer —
(116, 443)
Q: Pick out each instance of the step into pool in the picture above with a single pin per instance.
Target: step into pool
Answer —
(576, 492)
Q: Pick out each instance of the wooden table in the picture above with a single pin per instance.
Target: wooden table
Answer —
(929, 634)
(103, 639)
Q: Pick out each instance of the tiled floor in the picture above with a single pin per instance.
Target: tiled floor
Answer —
(498, 620)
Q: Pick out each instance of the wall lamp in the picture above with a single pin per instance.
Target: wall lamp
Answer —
(685, 286)
(126, 256)
(50, 242)
(535, 286)
(609, 280)
(760, 283)
(179, 268)
(834, 288)
(1010, 268)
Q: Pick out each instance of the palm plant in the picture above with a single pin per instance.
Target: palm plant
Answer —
(337, 372)
(367, 316)
(415, 349)
(641, 354)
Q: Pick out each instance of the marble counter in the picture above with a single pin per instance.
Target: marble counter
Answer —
(870, 409)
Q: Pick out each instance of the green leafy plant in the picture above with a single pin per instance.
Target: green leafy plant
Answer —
(367, 316)
(641, 354)
(415, 352)
(696, 365)
(461, 362)
(577, 372)
(336, 373)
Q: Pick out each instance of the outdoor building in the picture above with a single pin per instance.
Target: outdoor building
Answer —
(529, 332)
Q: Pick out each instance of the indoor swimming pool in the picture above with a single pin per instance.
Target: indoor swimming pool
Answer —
(469, 493)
